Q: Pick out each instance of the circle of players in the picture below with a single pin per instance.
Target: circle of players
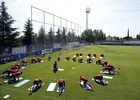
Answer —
(14, 72)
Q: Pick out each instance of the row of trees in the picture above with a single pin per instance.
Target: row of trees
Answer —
(62, 36)
(93, 35)
(138, 36)
(50, 38)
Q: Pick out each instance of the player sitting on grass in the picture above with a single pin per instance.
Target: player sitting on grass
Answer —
(89, 60)
(80, 60)
(74, 59)
(33, 60)
(9, 71)
(67, 58)
(49, 58)
(39, 59)
(58, 58)
(61, 84)
(100, 77)
(85, 81)
(55, 67)
(98, 61)
(14, 75)
(104, 64)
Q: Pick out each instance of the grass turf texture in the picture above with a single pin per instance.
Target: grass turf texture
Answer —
(122, 87)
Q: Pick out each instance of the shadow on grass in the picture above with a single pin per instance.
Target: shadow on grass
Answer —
(87, 89)
(9, 82)
(101, 84)
(90, 90)
(2, 83)
(54, 70)
(13, 82)
(34, 90)
(111, 74)
(60, 94)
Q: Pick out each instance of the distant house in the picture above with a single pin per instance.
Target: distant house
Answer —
(110, 38)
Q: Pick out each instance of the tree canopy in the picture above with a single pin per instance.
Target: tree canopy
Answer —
(8, 34)
(28, 33)
(93, 35)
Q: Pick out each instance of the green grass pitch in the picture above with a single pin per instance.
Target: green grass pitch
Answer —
(122, 87)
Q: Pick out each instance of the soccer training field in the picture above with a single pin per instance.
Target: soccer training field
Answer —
(122, 87)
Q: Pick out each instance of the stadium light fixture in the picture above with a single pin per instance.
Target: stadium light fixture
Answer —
(87, 12)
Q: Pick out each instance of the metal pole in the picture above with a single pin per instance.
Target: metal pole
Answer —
(75, 32)
(53, 27)
(66, 32)
(87, 12)
(44, 31)
(53, 21)
(31, 35)
(80, 33)
(86, 27)
(66, 24)
(60, 22)
(71, 26)
(61, 28)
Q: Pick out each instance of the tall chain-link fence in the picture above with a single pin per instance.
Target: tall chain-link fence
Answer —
(51, 29)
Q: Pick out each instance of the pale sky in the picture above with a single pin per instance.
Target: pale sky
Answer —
(114, 17)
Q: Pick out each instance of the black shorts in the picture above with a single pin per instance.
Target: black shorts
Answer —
(36, 82)
(13, 76)
(55, 68)
(60, 83)
(85, 81)
(100, 77)
(110, 69)
(105, 64)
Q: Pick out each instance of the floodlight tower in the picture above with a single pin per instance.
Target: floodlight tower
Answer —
(87, 12)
